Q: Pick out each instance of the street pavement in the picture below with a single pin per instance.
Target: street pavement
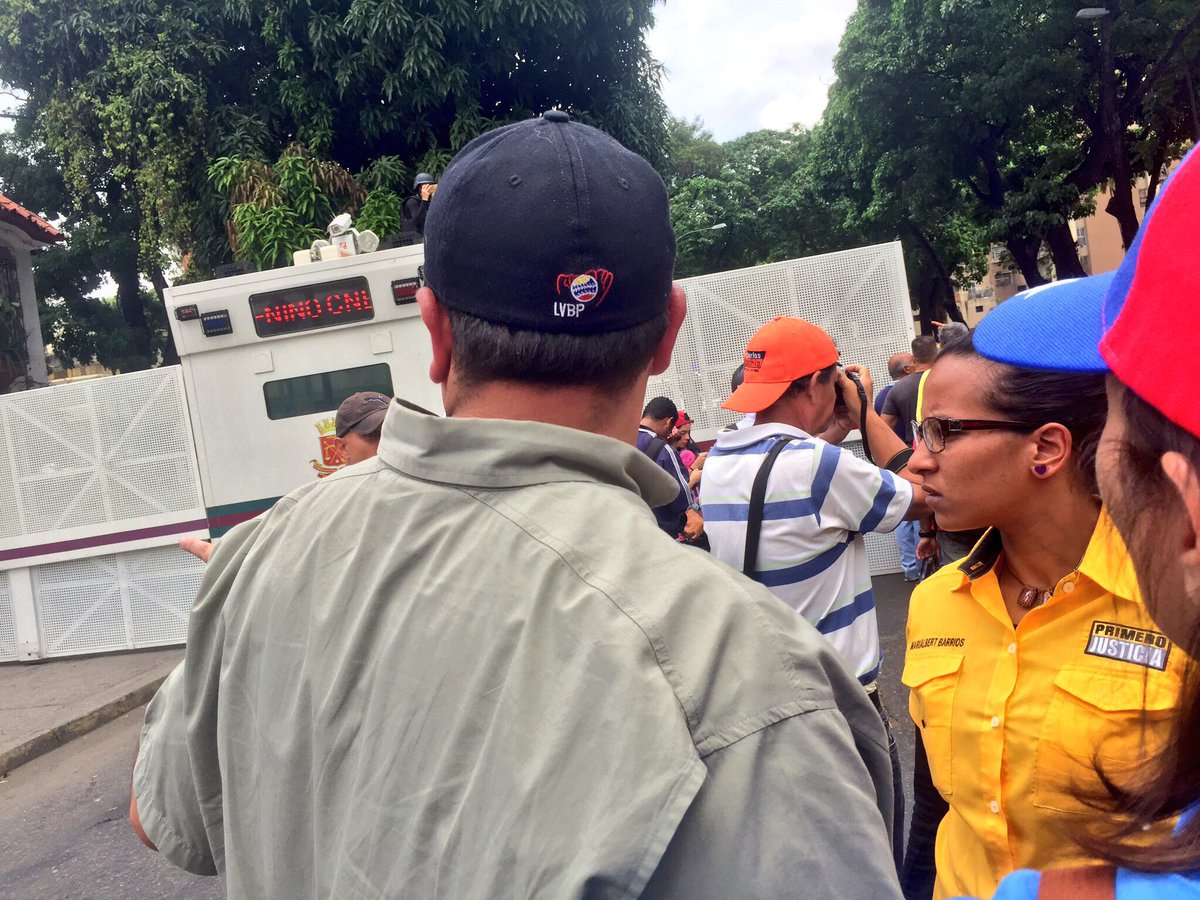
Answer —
(65, 821)
(45, 704)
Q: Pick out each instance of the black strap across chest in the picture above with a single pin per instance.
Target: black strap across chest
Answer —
(758, 497)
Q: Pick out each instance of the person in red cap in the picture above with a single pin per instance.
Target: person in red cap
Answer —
(803, 538)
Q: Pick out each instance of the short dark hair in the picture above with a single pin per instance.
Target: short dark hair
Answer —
(736, 379)
(661, 408)
(800, 385)
(924, 348)
(487, 351)
(1037, 397)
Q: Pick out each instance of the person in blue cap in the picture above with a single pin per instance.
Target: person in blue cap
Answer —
(1141, 326)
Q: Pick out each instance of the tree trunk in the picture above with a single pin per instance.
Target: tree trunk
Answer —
(1064, 251)
(124, 272)
(941, 288)
(1025, 252)
(926, 304)
(950, 310)
(1120, 204)
(170, 355)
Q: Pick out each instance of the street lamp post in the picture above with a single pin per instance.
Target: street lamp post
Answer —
(716, 227)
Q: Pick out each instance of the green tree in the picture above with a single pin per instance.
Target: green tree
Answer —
(753, 185)
(135, 100)
(1009, 115)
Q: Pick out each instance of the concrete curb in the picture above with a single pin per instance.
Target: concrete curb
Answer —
(55, 737)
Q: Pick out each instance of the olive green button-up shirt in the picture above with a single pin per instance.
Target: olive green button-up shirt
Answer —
(474, 667)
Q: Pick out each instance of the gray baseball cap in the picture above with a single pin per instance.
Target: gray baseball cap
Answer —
(362, 413)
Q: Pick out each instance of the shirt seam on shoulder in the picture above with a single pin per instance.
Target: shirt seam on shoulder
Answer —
(768, 718)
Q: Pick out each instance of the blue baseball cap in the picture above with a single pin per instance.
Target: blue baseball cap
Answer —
(1148, 309)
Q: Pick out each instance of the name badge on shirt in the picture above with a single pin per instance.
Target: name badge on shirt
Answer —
(1132, 645)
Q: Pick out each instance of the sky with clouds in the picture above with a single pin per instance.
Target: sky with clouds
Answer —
(748, 65)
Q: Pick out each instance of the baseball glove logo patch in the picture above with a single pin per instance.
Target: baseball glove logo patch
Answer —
(591, 285)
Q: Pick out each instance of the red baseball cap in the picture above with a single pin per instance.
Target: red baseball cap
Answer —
(780, 352)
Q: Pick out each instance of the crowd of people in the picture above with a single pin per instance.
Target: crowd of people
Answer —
(517, 672)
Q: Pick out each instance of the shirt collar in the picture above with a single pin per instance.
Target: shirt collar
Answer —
(1106, 560)
(502, 453)
(752, 434)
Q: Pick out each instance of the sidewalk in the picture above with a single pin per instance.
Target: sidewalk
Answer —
(43, 705)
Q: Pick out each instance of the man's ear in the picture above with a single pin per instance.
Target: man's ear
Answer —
(676, 310)
(1182, 474)
(437, 322)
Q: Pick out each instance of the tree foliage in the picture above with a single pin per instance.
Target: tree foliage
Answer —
(135, 101)
(955, 126)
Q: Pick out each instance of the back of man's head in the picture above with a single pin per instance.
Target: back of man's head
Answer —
(924, 349)
(953, 333)
(736, 379)
(899, 365)
(661, 408)
(551, 249)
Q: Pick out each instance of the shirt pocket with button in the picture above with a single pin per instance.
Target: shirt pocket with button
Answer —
(1100, 716)
(933, 679)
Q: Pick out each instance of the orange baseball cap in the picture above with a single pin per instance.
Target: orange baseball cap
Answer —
(780, 352)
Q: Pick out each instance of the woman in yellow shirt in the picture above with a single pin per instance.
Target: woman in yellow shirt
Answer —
(1033, 657)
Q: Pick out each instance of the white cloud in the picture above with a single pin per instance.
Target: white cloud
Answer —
(749, 65)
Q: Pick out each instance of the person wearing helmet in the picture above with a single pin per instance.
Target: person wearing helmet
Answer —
(417, 206)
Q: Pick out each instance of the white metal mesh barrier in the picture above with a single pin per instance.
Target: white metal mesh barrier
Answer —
(8, 632)
(104, 451)
(860, 297)
(121, 601)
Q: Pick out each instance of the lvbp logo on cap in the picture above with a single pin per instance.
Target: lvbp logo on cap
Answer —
(550, 225)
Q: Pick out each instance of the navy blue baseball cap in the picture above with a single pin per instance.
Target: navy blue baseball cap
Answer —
(551, 225)
(1134, 322)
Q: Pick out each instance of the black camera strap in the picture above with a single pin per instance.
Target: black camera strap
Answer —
(862, 419)
(758, 497)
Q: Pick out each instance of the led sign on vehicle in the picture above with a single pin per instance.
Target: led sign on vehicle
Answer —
(311, 306)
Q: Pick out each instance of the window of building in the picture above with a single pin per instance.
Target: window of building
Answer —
(1143, 194)
(307, 395)
(1081, 239)
(1003, 279)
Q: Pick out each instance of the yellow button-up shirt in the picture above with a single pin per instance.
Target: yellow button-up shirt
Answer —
(1012, 717)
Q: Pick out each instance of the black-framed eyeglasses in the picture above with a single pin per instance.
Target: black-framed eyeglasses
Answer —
(933, 431)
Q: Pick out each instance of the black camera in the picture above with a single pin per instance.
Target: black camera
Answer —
(840, 401)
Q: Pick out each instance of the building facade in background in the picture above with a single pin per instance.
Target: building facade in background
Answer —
(22, 350)
(1097, 237)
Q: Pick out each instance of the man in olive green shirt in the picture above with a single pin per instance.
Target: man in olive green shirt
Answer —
(474, 666)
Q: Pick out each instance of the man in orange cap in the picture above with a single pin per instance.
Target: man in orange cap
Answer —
(802, 537)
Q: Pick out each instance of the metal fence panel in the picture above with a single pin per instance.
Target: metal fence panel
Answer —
(120, 601)
(98, 452)
(8, 631)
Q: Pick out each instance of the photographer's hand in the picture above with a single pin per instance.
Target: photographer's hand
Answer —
(864, 376)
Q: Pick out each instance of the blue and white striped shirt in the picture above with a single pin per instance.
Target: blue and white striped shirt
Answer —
(820, 500)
